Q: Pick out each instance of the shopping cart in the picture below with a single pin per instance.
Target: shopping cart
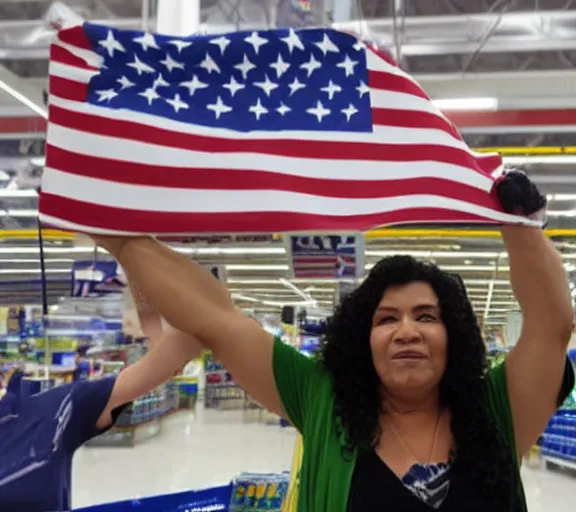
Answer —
(216, 499)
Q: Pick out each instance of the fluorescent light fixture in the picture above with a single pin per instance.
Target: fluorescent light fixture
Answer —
(466, 104)
(561, 197)
(34, 271)
(47, 250)
(39, 162)
(9, 193)
(561, 213)
(295, 289)
(36, 262)
(244, 298)
(257, 267)
(438, 254)
(21, 213)
(540, 159)
(216, 251)
(41, 111)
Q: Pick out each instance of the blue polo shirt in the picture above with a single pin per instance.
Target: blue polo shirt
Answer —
(38, 437)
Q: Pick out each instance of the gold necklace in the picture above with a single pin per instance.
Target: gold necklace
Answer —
(407, 448)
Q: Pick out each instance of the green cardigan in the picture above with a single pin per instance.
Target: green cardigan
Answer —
(325, 475)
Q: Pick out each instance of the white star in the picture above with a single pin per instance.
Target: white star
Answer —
(362, 88)
(219, 108)
(280, 66)
(209, 65)
(125, 83)
(233, 86)
(180, 45)
(283, 109)
(106, 95)
(256, 41)
(150, 94)
(171, 64)
(193, 85)
(295, 85)
(258, 110)
(293, 41)
(349, 111)
(311, 66)
(139, 66)
(331, 89)
(160, 82)
(267, 86)
(146, 41)
(111, 44)
(222, 42)
(245, 67)
(318, 111)
(359, 46)
(327, 46)
(177, 103)
(348, 65)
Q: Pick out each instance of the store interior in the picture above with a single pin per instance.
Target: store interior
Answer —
(502, 71)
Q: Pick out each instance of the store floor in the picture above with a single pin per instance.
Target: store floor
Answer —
(207, 449)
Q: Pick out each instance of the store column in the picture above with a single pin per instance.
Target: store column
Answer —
(178, 17)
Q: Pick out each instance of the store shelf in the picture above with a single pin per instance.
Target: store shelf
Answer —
(559, 462)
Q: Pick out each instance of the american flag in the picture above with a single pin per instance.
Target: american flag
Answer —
(264, 131)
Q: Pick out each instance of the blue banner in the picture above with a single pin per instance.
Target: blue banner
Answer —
(326, 256)
(96, 278)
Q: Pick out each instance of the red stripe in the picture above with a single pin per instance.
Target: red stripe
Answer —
(397, 83)
(166, 177)
(66, 89)
(137, 221)
(75, 36)
(413, 119)
(64, 56)
(289, 148)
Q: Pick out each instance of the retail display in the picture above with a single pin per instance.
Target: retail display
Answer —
(558, 447)
(256, 491)
(220, 391)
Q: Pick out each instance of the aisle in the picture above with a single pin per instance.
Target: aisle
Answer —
(207, 449)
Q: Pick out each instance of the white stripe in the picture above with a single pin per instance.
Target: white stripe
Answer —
(69, 72)
(90, 57)
(125, 150)
(381, 98)
(155, 199)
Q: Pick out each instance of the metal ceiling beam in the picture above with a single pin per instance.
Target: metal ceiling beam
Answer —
(23, 92)
(422, 35)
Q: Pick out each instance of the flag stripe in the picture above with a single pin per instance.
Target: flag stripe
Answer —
(310, 149)
(162, 176)
(86, 215)
(148, 199)
(111, 148)
(128, 169)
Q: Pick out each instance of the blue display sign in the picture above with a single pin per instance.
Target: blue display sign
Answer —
(96, 278)
(326, 256)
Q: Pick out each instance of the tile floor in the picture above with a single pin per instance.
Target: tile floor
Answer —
(207, 449)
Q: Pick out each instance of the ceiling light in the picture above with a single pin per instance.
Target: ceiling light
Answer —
(47, 250)
(540, 159)
(466, 104)
(215, 251)
(561, 197)
(22, 213)
(561, 213)
(9, 193)
(257, 267)
(34, 271)
(37, 262)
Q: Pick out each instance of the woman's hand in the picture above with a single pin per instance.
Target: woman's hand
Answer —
(518, 195)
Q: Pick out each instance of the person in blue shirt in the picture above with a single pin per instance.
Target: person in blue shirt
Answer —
(40, 433)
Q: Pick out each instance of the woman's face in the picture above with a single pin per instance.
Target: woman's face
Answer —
(409, 342)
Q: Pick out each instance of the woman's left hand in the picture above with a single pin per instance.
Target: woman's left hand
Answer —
(518, 195)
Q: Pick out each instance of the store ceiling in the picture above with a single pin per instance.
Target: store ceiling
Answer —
(522, 52)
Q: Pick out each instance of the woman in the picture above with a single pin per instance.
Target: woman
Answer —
(400, 414)
(40, 433)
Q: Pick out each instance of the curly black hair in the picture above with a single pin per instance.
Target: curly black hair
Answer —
(347, 356)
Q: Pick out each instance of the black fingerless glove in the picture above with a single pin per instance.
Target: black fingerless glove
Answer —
(518, 195)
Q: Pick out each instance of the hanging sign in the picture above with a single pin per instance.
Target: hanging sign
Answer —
(96, 278)
(326, 257)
